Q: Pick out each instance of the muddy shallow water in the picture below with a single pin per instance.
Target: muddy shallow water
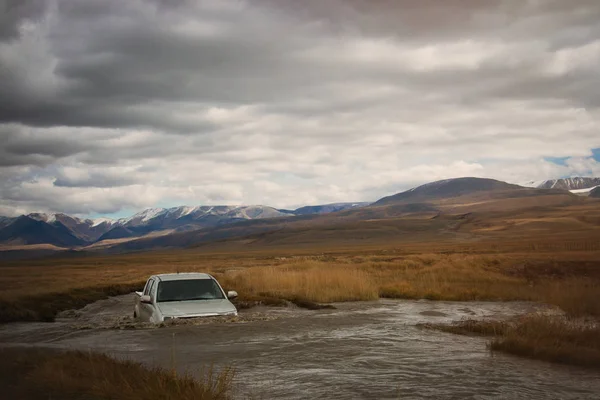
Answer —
(359, 350)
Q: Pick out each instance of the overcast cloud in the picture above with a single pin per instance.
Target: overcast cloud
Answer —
(111, 106)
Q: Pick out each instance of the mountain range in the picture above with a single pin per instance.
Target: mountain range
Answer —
(431, 212)
(67, 231)
(186, 225)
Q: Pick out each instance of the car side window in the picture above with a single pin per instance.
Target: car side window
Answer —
(153, 290)
(148, 287)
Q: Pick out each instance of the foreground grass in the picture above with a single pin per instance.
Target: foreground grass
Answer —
(558, 339)
(35, 374)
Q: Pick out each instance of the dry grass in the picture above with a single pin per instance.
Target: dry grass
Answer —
(559, 339)
(37, 289)
(458, 277)
(34, 374)
(308, 280)
(576, 296)
(555, 339)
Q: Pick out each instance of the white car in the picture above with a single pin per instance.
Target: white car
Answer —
(182, 295)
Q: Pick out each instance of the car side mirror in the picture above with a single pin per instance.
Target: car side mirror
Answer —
(146, 299)
(232, 294)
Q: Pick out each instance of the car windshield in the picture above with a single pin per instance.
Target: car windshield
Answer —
(188, 289)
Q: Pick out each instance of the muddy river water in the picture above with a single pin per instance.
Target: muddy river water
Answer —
(367, 350)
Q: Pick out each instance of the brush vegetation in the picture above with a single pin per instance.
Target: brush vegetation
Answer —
(559, 339)
(555, 339)
(36, 374)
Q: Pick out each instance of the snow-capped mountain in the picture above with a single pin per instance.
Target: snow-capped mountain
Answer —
(182, 218)
(167, 217)
(574, 183)
(102, 220)
(87, 230)
(142, 217)
(48, 218)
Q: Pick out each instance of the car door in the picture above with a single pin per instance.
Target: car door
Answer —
(146, 310)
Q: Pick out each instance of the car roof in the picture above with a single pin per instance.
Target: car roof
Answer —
(182, 276)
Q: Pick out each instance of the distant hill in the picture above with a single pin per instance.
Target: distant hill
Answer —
(595, 193)
(326, 208)
(445, 189)
(26, 230)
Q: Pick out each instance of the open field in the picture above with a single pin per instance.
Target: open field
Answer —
(35, 373)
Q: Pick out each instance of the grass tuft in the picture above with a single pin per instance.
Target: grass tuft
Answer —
(550, 338)
(35, 373)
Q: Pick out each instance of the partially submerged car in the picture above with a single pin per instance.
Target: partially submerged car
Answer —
(182, 295)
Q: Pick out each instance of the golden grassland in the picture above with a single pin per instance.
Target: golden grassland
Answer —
(36, 373)
(37, 289)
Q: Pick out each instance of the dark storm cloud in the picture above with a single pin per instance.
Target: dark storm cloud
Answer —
(23, 145)
(96, 180)
(47, 147)
(112, 57)
(14, 12)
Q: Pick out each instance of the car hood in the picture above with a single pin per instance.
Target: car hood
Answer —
(196, 308)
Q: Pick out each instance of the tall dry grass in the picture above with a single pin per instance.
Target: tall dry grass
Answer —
(559, 339)
(555, 339)
(308, 280)
(436, 277)
(35, 373)
(578, 297)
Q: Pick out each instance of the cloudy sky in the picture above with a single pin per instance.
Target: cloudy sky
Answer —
(111, 106)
